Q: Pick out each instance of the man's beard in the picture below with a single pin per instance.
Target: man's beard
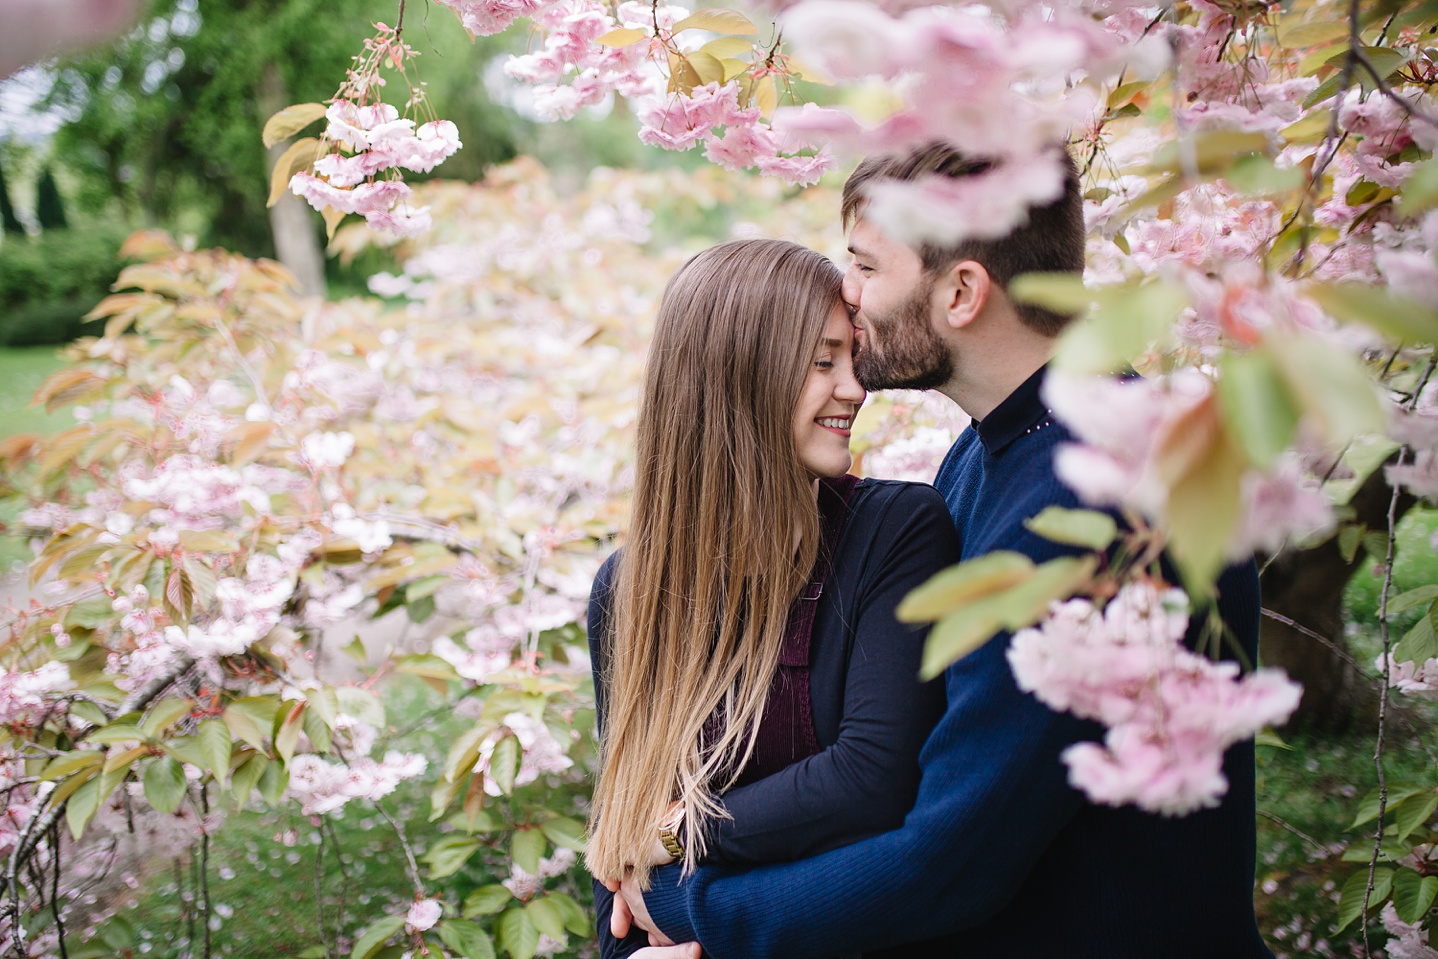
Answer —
(913, 356)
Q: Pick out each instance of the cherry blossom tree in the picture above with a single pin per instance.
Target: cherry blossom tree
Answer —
(250, 468)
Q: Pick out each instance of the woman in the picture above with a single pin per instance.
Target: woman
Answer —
(758, 699)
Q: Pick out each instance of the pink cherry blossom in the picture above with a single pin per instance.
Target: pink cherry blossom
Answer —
(1171, 713)
(487, 17)
(679, 121)
(1409, 941)
(423, 915)
(946, 211)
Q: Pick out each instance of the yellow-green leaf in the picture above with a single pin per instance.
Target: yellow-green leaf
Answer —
(1256, 405)
(623, 37)
(546, 917)
(290, 121)
(1330, 385)
(1377, 307)
(299, 156)
(81, 806)
(1074, 527)
(952, 588)
(727, 47)
(504, 764)
(375, 936)
(717, 20)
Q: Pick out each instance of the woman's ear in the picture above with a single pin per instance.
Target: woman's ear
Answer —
(964, 289)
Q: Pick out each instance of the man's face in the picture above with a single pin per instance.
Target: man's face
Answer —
(891, 295)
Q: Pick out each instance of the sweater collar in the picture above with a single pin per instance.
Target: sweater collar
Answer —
(1021, 412)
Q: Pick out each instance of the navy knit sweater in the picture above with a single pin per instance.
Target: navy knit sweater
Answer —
(1000, 854)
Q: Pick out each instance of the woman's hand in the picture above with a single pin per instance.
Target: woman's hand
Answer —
(687, 950)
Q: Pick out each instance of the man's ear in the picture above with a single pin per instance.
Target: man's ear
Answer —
(964, 290)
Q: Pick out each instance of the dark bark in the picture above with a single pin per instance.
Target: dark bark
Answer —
(1307, 587)
(49, 207)
(9, 223)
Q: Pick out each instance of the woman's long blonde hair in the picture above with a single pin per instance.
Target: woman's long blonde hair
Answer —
(710, 567)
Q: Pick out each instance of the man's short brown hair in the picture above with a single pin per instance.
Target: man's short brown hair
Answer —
(1052, 241)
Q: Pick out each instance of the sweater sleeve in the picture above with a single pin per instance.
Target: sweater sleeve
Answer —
(866, 780)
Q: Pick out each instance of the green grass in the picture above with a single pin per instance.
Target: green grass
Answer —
(22, 369)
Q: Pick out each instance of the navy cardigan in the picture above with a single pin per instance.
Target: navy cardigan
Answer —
(1000, 854)
(871, 714)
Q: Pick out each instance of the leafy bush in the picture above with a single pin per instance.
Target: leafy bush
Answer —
(49, 282)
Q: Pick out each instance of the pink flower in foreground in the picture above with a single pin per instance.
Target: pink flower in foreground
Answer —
(946, 211)
(423, 915)
(1409, 941)
(1170, 713)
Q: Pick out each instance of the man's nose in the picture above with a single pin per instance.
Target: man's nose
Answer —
(851, 288)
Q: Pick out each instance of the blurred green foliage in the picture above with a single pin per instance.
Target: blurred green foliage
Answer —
(50, 281)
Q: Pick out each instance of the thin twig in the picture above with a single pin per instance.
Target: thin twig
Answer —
(319, 893)
(1333, 647)
(1382, 706)
(55, 890)
(1295, 830)
(408, 852)
(205, 865)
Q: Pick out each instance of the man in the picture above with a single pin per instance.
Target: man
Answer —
(999, 855)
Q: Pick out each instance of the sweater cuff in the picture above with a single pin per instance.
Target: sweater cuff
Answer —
(668, 903)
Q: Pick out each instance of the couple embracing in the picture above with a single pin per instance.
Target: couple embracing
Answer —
(775, 780)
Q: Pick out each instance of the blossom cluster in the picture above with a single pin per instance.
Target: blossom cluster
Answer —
(380, 140)
(1170, 712)
(1133, 436)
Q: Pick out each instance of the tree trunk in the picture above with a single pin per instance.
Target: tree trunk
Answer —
(1307, 587)
(291, 220)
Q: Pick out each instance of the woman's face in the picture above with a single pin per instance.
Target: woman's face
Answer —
(829, 401)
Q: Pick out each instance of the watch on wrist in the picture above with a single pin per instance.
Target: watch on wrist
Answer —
(669, 828)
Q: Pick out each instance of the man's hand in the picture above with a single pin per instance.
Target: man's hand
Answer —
(629, 910)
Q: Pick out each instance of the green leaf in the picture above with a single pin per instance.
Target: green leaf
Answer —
(1060, 292)
(1349, 539)
(252, 719)
(375, 936)
(1378, 308)
(62, 766)
(464, 754)
(420, 609)
(163, 715)
(1074, 527)
(963, 631)
(1413, 597)
(1126, 322)
(289, 121)
(447, 856)
(1350, 902)
(1256, 405)
(1413, 894)
(1330, 384)
(1419, 644)
(118, 733)
(465, 938)
(504, 763)
(1420, 190)
(952, 588)
(1397, 793)
(564, 832)
(81, 806)
(287, 737)
(361, 704)
(546, 918)
(1392, 851)
(717, 20)
(273, 782)
(247, 777)
(324, 704)
(486, 901)
(443, 794)
(1414, 814)
(165, 785)
(576, 920)
(215, 747)
(517, 934)
(186, 749)
(525, 849)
